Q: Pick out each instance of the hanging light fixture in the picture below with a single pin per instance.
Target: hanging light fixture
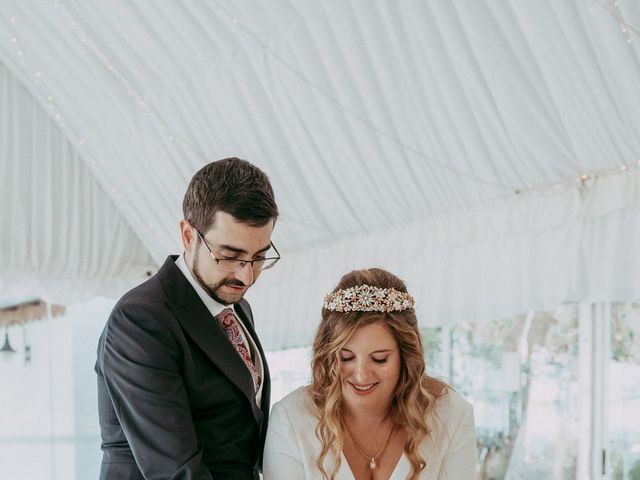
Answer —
(6, 351)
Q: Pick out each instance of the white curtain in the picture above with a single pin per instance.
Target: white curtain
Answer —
(61, 235)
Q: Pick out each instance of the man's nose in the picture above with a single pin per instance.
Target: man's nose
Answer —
(245, 274)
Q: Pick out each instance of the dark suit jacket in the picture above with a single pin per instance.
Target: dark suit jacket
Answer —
(175, 399)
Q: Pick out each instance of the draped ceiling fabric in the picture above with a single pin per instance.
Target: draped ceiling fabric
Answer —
(441, 140)
(61, 234)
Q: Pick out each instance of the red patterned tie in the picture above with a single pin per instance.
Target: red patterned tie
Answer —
(229, 324)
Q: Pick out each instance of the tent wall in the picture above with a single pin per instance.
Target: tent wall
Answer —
(532, 252)
(61, 235)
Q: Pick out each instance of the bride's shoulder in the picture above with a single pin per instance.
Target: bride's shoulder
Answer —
(296, 409)
(298, 400)
(452, 405)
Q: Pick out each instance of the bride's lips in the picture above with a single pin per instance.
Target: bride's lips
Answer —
(363, 389)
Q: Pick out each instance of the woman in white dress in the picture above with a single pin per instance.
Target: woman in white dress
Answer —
(371, 411)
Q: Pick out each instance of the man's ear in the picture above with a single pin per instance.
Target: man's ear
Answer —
(187, 235)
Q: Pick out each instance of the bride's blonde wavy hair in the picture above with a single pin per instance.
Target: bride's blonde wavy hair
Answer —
(415, 392)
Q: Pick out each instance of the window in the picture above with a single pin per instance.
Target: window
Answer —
(624, 393)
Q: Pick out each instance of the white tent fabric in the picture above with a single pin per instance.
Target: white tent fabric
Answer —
(61, 232)
(536, 252)
(395, 133)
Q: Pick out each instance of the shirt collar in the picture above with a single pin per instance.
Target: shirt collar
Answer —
(214, 307)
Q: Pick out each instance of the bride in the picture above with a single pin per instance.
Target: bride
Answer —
(371, 411)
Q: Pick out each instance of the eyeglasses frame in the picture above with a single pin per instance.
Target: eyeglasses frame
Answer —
(242, 263)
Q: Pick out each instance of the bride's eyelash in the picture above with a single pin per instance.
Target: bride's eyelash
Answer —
(376, 360)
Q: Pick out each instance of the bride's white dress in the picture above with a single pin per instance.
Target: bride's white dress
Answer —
(292, 447)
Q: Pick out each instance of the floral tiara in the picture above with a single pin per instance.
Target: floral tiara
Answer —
(366, 298)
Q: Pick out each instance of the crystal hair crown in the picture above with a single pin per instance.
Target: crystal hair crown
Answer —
(365, 298)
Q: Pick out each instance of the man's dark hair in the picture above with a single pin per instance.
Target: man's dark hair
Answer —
(233, 186)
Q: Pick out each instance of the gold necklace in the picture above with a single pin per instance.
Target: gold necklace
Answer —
(371, 458)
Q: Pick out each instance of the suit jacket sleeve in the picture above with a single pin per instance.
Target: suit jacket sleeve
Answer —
(141, 368)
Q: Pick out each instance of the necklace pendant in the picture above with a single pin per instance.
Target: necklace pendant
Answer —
(372, 463)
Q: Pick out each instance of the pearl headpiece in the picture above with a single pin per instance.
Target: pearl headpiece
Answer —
(366, 298)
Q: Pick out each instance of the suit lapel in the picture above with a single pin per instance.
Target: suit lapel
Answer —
(204, 330)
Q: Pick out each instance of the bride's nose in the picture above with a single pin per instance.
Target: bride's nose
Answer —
(361, 373)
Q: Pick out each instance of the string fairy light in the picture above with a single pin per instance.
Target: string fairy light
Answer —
(139, 99)
(248, 33)
(56, 115)
(582, 180)
(615, 12)
(172, 136)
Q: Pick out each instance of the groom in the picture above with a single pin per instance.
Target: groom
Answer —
(183, 384)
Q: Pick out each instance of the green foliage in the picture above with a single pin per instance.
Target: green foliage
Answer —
(625, 339)
(634, 473)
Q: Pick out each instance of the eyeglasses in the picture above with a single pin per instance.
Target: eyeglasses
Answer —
(232, 265)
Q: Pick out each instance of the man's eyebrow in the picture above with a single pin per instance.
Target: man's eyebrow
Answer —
(242, 250)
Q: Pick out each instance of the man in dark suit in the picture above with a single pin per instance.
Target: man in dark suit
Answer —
(183, 385)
